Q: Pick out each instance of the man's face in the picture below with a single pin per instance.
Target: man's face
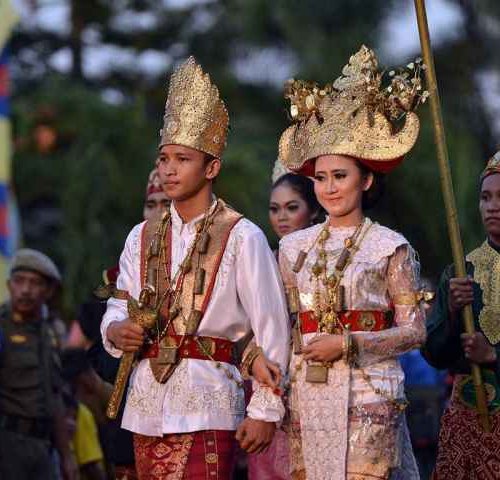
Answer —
(489, 205)
(28, 292)
(157, 202)
(184, 171)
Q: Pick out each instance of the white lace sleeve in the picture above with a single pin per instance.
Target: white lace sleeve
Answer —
(261, 294)
(408, 331)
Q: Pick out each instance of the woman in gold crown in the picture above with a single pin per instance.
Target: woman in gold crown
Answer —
(351, 283)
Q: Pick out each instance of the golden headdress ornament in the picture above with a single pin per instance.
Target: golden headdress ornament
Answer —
(354, 116)
(493, 166)
(195, 116)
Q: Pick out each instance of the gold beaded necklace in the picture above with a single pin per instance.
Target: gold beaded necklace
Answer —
(326, 312)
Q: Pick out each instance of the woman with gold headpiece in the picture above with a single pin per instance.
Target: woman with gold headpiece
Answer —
(352, 283)
(465, 451)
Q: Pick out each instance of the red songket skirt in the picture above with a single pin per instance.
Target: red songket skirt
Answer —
(465, 452)
(191, 456)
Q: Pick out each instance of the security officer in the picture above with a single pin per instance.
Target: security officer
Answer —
(30, 383)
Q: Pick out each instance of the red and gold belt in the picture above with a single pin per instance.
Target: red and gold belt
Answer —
(356, 320)
(200, 348)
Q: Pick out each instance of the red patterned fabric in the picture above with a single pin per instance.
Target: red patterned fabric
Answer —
(195, 456)
(358, 321)
(162, 458)
(221, 351)
(465, 452)
(212, 456)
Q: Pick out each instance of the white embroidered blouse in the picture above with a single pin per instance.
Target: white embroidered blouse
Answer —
(248, 296)
(383, 268)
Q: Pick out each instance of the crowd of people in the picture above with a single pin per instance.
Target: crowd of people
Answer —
(203, 354)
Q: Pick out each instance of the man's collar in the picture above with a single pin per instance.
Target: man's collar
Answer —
(177, 222)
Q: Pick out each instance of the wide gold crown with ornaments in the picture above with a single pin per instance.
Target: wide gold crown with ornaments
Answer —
(493, 166)
(355, 116)
(195, 115)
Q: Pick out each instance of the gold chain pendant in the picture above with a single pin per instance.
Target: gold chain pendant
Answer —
(316, 373)
(296, 339)
(167, 354)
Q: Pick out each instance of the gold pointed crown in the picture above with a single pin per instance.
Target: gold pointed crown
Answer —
(354, 116)
(195, 116)
(493, 166)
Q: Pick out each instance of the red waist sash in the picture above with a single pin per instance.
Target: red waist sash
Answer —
(356, 320)
(219, 349)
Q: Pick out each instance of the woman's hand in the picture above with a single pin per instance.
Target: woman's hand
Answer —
(323, 348)
(266, 372)
(477, 349)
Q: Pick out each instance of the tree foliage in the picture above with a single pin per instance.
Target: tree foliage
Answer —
(79, 197)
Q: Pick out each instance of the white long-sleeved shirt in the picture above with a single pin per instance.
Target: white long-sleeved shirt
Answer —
(248, 296)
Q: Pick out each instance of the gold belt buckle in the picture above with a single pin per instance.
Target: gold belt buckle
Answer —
(316, 373)
(167, 354)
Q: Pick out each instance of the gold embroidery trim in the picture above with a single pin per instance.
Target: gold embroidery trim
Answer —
(486, 262)
(413, 298)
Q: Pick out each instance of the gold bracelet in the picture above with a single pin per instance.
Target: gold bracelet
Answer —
(246, 364)
(346, 346)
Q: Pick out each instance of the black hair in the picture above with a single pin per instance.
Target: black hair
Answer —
(304, 186)
(371, 197)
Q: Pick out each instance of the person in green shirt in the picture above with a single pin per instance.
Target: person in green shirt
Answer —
(465, 451)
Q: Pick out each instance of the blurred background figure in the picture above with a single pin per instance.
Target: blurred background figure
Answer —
(156, 200)
(292, 206)
(85, 334)
(426, 391)
(91, 395)
(31, 421)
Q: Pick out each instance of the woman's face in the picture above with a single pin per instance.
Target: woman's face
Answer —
(339, 184)
(288, 211)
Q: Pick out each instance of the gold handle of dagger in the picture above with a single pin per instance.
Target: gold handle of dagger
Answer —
(120, 383)
(449, 196)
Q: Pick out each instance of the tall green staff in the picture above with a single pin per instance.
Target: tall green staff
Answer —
(449, 196)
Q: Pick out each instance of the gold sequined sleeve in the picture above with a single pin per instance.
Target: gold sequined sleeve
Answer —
(408, 330)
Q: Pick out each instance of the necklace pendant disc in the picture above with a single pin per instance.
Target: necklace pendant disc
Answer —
(316, 373)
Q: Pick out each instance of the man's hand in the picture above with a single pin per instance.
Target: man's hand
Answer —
(255, 436)
(323, 348)
(460, 294)
(477, 348)
(126, 336)
(266, 372)
(69, 468)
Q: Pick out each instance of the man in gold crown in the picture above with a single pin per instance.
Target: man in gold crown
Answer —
(465, 451)
(352, 283)
(193, 283)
